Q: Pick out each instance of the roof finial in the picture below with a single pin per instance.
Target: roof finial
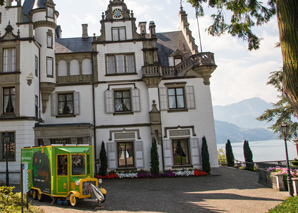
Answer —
(181, 8)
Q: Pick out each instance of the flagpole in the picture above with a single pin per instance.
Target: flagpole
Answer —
(199, 29)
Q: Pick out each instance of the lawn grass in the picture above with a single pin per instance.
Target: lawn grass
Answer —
(289, 205)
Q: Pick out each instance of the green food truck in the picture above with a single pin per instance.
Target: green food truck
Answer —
(63, 172)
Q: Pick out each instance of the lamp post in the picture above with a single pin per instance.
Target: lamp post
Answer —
(284, 129)
(6, 140)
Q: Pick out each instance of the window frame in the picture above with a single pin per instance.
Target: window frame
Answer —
(122, 101)
(114, 69)
(125, 157)
(118, 29)
(176, 98)
(50, 41)
(36, 66)
(71, 167)
(10, 96)
(65, 101)
(50, 73)
(9, 67)
(50, 12)
(186, 140)
(3, 146)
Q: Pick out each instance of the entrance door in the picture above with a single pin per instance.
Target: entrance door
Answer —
(62, 173)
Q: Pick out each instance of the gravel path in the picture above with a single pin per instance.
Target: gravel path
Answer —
(234, 191)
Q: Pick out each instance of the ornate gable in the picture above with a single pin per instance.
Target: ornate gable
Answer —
(9, 35)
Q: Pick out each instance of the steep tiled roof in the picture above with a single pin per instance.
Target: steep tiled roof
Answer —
(73, 45)
(167, 43)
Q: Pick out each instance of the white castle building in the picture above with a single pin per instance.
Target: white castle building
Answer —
(126, 87)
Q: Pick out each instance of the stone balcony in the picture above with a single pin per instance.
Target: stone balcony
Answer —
(199, 65)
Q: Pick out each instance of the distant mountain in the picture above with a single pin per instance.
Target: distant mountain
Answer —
(243, 113)
(225, 131)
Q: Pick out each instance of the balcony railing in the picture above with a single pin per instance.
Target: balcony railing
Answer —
(197, 60)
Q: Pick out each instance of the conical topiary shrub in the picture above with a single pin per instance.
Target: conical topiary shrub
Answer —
(205, 156)
(229, 154)
(154, 159)
(103, 160)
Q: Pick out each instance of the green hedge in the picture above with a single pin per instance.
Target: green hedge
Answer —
(289, 205)
(12, 202)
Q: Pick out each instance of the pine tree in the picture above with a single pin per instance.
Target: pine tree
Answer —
(248, 156)
(103, 160)
(205, 156)
(229, 154)
(154, 159)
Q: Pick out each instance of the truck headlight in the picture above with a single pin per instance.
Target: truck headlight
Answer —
(100, 181)
(77, 182)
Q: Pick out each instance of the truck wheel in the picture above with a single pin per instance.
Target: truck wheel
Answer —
(72, 199)
(40, 197)
(34, 194)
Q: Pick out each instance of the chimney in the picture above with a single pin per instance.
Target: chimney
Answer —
(152, 29)
(85, 31)
(58, 32)
(142, 26)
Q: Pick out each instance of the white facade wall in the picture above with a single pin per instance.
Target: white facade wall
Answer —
(127, 25)
(109, 119)
(117, 48)
(24, 136)
(201, 117)
(28, 92)
(145, 137)
(9, 16)
(86, 110)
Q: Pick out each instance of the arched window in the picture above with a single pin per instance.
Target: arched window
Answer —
(62, 68)
(74, 67)
(86, 67)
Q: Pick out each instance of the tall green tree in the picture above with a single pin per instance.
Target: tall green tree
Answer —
(154, 159)
(2, 2)
(205, 156)
(103, 160)
(249, 13)
(229, 154)
(248, 156)
(282, 110)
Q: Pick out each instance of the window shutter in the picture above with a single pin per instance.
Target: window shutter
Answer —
(136, 106)
(195, 151)
(139, 154)
(190, 97)
(109, 101)
(167, 152)
(110, 64)
(54, 98)
(130, 63)
(120, 63)
(76, 103)
(163, 93)
(112, 155)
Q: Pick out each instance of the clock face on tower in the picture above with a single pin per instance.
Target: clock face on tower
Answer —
(117, 13)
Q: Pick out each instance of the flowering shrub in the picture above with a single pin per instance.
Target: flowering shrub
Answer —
(142, 174)
(281, 170)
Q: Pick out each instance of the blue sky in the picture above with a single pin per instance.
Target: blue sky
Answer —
(240, 74)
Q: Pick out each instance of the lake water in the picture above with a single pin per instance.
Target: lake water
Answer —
(270, 150)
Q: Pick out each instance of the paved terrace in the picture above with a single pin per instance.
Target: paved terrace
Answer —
(234, 191)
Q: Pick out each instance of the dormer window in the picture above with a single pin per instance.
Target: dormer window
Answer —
(50, 12)
(118, 33)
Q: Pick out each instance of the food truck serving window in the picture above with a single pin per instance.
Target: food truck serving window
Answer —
(62, 164)
(78, 164)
